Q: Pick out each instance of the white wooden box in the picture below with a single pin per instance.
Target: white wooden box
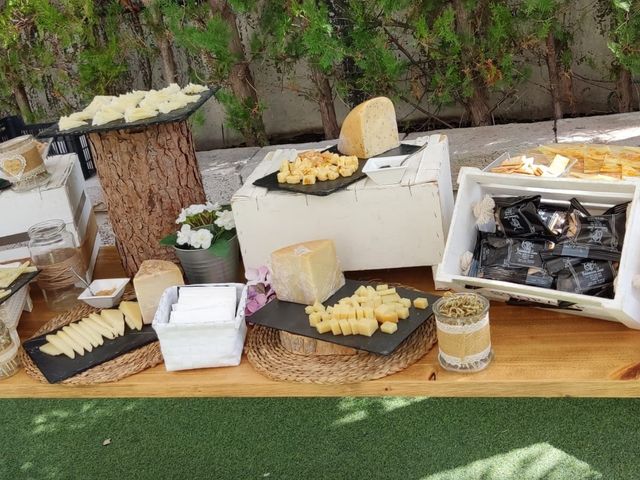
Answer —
(373, 226)
(63, 198)
(595, 195)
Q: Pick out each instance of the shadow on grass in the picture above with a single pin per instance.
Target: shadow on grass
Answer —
(341, 438)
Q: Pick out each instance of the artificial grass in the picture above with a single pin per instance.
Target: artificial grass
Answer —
(317, 438)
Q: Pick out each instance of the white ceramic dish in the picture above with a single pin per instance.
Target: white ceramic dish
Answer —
(388, 175)
(104, 301)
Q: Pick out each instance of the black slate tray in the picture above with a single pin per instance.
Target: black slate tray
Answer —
(270, 182)
(4, 184)
(291, 318)
(175, 116)
(60, 367)
(18, 283)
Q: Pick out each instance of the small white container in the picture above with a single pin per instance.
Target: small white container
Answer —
(387, 175)
(187, 346)
(104, 301)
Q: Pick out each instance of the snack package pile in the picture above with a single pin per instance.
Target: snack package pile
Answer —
(540, 244)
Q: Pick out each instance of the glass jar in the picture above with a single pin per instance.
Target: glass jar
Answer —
(9, 360)
(464, 339)
(54, 252)
(21, 159)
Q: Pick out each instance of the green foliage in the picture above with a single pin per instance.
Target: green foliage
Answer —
(242, 116)
(624, 37)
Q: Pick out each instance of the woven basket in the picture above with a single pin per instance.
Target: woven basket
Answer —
(120, 367)
(267, 355)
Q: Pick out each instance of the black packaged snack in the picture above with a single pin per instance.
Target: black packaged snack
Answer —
(518, 217)
(535, 277)
(590, 277)
(496, 250)
(554, 218)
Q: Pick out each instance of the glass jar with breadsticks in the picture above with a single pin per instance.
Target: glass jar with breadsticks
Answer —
(313, 166)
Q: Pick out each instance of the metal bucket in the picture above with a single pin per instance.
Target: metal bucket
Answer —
(201, 266)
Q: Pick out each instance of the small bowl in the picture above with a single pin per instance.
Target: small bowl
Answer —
(388, 175)
(104, 301)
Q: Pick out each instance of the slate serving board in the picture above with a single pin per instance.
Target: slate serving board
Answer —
(4, 184)
(270, 182)
(291, 318)
(60, 367)
(175, 116)
(18, 283)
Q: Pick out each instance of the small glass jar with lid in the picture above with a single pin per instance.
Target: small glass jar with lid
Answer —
(56, 255)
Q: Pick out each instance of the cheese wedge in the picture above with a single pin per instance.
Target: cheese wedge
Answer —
(50, 349)
(94, 336)
(369, 129)
(67, 123)
(61, 345)
(77, 338)
(132, 314)
(140, 113)
(100, 327)
(79, 332)
(152, 279)
(100, 319)
(71, 342)
(115, 318)
(106, 115)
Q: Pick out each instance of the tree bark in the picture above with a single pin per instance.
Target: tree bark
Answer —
(22, 101)
(325, 102)
(554, 76)
(169, 70)
(148, 175)
(240, 76)
(624, 87)
(145, 66)
(310, 346)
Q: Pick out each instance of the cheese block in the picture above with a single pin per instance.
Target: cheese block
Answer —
(307, 272)
(132, 314)
(153, 278)
(369, 129)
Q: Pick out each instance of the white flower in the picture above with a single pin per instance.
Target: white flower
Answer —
(195, 209)
(201, 238)
(184, 235)
(212, 207)
(225, 220)
(182, 217)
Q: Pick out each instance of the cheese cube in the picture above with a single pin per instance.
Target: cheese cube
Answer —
(385, 313)
(293, 179)
(308, 179)
(345, 327)
(377, 301)
(389, 327)
(323, 327)
(335, 327)
(420, 303)
(329, 309)
(406, 302)
(153, 278)
(402, 312)
(390, 298)
(306, 272)
(369, 129)
(331, 175)
(309, 309)
(351, 314)
(388, 291)
(315, 318)
(367, 327)
(382, 288)
(362, 291)
(325, 316)
(318, 307)
(359, 313)
(368, 312)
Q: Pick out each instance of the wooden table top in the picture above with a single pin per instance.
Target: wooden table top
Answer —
(537, 353)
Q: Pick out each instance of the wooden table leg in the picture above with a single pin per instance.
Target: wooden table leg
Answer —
(148, 175)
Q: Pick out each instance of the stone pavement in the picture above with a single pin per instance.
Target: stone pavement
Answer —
(224, 170)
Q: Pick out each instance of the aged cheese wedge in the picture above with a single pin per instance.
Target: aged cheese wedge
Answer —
(50, 349)
(61, 345)
(115, 318)
(100, 319)
(106, 115)
(132, 314)
(80, 332)
(98, 324)
(71, 342)
(369, 129)
(95, 337)
(67, 123)
(78, 339)
(307, 272)
(153, 278)
(140, 113)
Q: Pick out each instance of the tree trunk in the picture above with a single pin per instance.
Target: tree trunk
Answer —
(554, 76)
(148, 175)
(325, 101)
(477, 105)
(22, 101)
(240, 76)
(145, 67)
(310, 346)
(169, 70)
(624, 87)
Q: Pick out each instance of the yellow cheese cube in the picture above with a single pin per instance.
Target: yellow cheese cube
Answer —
(308, 179)
(355, 300)
(359, 313)
(420, 303)
(318, 307)
(368, 312)
(331, 175)
(367, 304)
(377, 301)
(393, 298)
(323, 327)
(389, 327)
(406, 302)
(402, 312)
(315, 318)
(282, 177)
(352, 314)
(362, 291)
(345, 327)
(353, 324)
(306, 272)
(329, 309)
(335, 327)
(293, 179)
(344, 301)
(382, 287)
(325, 316)
(367, 326)
(322, 174)
(388, 291)
(371, 290)
(309, 309)
(385, 313)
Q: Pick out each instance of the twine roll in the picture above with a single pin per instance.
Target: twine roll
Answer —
(59, 275)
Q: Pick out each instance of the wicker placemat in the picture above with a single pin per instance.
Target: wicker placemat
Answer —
(120, 367)
(267, 355)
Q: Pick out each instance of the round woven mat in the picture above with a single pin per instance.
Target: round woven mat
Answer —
(120, 367)
(267, 355)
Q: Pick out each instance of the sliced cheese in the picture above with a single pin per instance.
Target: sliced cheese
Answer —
(153, 278)
(170, 105)
(369, 129)
(80, 332)
(194, 88)
(67, 123)
(115, 318)
(100, 319)
(71, 342)
(99, 326)
(95, 337)
(140, 113)
(61, 345)
(132, 314)
(307, 272)
(50, 349)
(77, 338)
(106, 115)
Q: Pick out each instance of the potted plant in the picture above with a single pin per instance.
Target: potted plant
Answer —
(206, 243)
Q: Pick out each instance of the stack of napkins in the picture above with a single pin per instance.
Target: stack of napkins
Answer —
(204, 305)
